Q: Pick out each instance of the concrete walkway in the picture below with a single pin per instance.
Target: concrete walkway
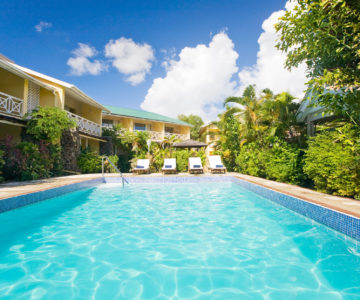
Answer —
(345, 205)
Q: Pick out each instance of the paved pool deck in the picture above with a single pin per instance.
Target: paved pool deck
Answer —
(341, 204)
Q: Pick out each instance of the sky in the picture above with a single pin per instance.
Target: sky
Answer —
(170, 57)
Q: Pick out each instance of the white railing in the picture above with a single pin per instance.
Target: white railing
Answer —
(11, 106)
(178, 136)
(86, 125)
(155, 135)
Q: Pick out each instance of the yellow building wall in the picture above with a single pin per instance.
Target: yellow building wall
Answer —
(91, 113)
(89, 142)
(10, 130)
(47, 98)
(11, 84)
(60, 95)
(94, 145)
(83, 110)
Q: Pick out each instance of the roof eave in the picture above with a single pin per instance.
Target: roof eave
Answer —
(134, 117)
(16, 70)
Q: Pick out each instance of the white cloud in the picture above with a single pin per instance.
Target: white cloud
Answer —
(42, 25)
(196, 83)
(269, 70)
(131, 59)
(81, 64)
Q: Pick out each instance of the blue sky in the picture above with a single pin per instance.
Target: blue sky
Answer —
(162, 25)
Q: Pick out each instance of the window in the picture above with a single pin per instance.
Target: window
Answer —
(139, 126)
(169, 129)
(107, 123)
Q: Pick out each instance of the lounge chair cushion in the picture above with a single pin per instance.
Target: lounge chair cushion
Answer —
(139, 167)
(196, 166)
(219, 166)
(168, 166)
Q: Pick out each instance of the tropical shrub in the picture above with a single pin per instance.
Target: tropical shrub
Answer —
(2, 162)
(11, 156)
(274, 159)
(251, 159)
(283, 162)
(107, 166)
(89, 162)
(32, 165)
(28, 161)
(48, 123)
(332, 161)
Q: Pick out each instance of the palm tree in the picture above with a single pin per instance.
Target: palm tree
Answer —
(168, 141)
(249, 111)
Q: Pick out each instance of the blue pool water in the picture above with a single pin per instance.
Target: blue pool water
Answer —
(178, 241)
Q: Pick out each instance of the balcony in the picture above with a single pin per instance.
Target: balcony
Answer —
(11, 106)
(178, 136)
(153, 135)
(85, 125)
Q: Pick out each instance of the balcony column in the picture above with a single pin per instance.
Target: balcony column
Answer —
(162, 130)
(26, 95)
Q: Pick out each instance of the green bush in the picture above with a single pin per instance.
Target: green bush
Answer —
(115, 160)
(32, 165)
(284, 162)
(48, 123)
(274, 159)
(29, 161)
(2, 162)
(332, 161)
(89, 162)
(251, 160)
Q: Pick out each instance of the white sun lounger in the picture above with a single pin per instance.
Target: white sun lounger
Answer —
(215, 164)
(195, 165)
(142, 166)
(169, 165)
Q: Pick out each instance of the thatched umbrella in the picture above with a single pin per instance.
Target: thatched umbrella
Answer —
(190, 144)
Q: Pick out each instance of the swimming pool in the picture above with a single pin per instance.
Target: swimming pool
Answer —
(213, 240)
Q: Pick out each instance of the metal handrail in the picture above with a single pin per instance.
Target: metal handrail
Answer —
(116, 169)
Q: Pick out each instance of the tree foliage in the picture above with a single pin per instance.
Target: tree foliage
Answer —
(48, 123)
(194, 120)
(325, 34)
(332, 161)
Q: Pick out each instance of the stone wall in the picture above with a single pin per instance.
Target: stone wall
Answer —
(70, 149)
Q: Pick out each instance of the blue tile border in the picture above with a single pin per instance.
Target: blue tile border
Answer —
(22, 200)
(171, 179)
(338, 221)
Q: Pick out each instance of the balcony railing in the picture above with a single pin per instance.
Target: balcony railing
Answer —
(86, 125)
(178, 136)
(154, 135)
(11, 106)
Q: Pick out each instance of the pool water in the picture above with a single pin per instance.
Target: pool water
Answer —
(178, 241)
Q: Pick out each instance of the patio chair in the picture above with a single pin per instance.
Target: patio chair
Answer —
(142, 166)
(215, 164)
(195, 165)
(169, 165)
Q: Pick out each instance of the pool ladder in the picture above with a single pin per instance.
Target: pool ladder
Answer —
(123, 180)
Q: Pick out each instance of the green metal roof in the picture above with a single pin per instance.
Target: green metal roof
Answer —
(142, 114)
